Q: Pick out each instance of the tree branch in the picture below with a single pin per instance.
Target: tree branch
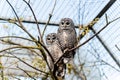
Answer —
(50, 15)
(26, 73)
(117, 47)
(87, 40)
(17, 37)
(35, 19)
(24, 47)
(94, 34)
(27, 63)
(21, 25)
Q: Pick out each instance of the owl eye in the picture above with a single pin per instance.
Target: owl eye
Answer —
(67, 23)
(62, 23)
(54, 38)
(48, 38)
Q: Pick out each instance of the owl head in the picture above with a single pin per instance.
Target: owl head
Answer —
(66, 24)
(51, 38)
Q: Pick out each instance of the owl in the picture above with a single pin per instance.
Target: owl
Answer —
(67, 37)
(56, 52)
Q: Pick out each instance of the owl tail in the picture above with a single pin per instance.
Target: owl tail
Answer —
(60, 70)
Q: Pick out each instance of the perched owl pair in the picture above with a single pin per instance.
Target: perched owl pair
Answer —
(57, 44)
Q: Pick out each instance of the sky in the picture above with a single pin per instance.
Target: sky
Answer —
(81, 12)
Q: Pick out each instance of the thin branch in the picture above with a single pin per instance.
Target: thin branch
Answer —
(88, 39)
(101, 60)
(82, 43)
(94, 34)
(34, 18)
(26, 73)
(46, 51)
(27, 63)
(21, 25)
(117, 47)
(13, 43)
(40, 48)
(46, 25)
(42, 51)
(50, 16)
(10, 42)
(110, 65)
(17, 37)
(24, 47)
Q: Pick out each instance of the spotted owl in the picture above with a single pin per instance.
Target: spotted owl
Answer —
(67, 37)
(56, 52)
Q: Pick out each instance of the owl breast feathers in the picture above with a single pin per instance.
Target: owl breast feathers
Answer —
(67, 36)
(66, 33)
(53, 46)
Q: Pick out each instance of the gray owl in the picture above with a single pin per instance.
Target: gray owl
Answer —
(67, 37)
(56, 52)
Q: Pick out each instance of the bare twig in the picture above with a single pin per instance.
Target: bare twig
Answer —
(13, 43)
(24, 29)
(35, 19)
(21, 25)
(27, 63)
(50, 15)
(17, 37)
(101, 60)
(94, 34)
(26, 73)
(117, 47)
(24, 47)
(42, 51)
(10, 42)
(88, 39)
(110, 65)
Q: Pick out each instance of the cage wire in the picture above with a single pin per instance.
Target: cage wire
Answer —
(97, 62)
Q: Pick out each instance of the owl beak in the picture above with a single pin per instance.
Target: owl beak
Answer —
(65, 26)
(51, 41)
